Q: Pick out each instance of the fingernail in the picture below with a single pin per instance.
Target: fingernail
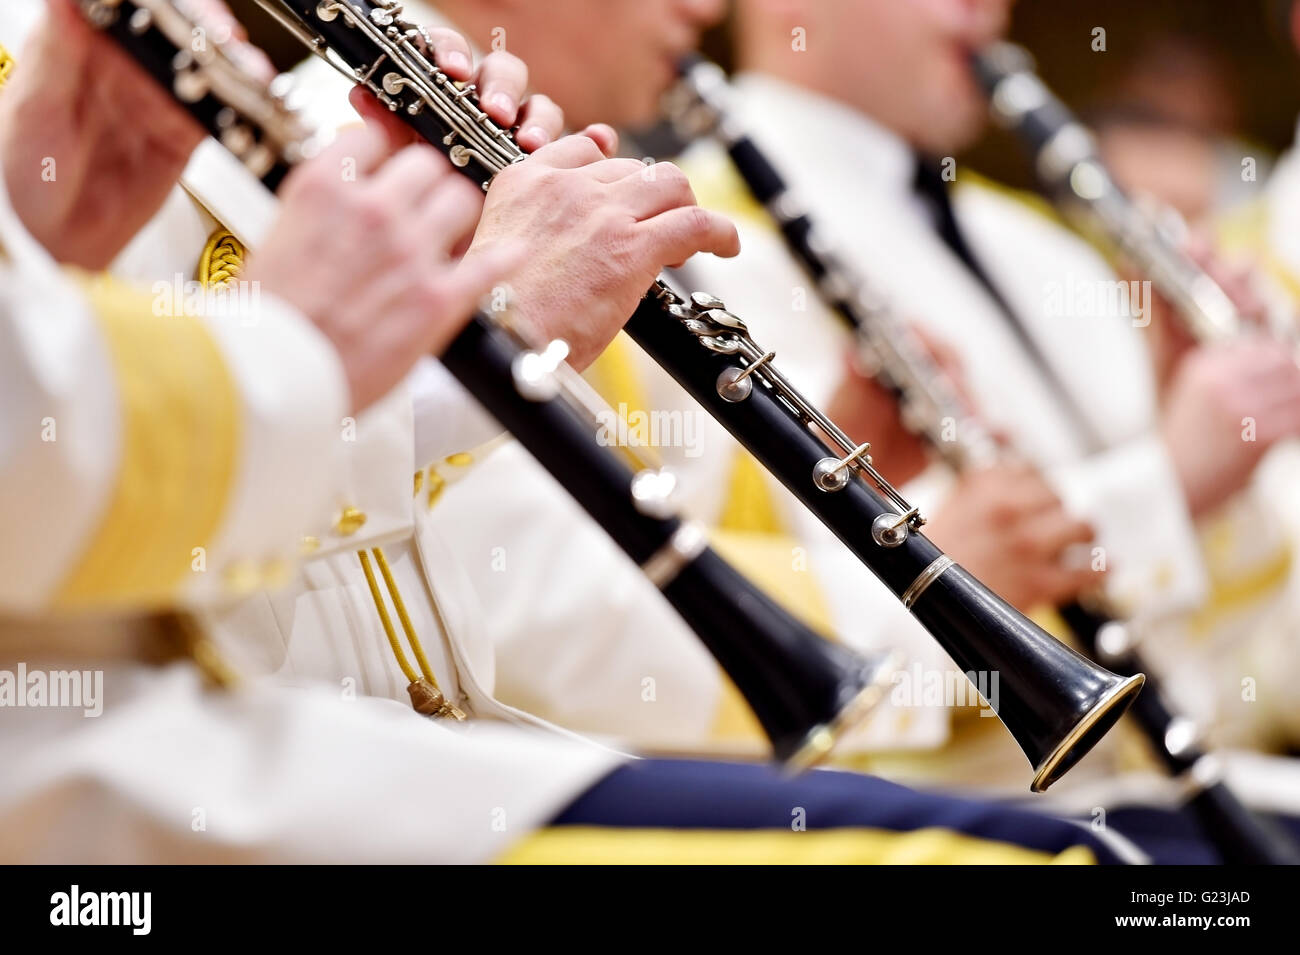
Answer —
(502, 103)
(455, 62)
(534, 132)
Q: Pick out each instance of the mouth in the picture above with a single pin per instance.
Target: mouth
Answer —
(963, 55)
(668, 65)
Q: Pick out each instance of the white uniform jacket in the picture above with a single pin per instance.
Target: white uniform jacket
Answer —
(162, 463)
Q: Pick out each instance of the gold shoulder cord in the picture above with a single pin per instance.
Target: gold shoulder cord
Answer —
(425, 695)
(222, 260)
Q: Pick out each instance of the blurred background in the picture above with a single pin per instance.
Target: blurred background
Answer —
(1213, 80)
(1210, 81)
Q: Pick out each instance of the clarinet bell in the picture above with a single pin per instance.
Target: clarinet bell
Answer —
(806, 692)
(1055, 740)
(1056, 703)
(859, 686)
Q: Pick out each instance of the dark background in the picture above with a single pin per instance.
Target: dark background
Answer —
(1249, 36)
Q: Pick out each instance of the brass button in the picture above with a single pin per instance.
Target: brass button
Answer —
(6, 65)
(349, 522)
(243, 577)
(437, 484)
(275, 573)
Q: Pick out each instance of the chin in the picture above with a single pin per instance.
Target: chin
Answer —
(951, 130)
(634, 113)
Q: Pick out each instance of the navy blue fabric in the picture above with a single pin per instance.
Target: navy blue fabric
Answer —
(1172, 837)
(698, 794)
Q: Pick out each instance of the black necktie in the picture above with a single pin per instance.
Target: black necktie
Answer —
(930, 187)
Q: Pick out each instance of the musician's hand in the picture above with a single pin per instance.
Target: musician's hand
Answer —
(598, 231)
(1226, 406)
(1008, 528)
(366, 255)
(90, 145)
(501, 79)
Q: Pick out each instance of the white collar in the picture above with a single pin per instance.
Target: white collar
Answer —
(842, 135)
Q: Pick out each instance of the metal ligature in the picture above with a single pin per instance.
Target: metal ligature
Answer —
(1058, 705)
(804, 690)
(1064, 153)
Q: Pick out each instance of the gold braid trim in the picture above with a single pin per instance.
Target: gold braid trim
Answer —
(7, 64)
(180, 440)
(222, 261)
(407, 670)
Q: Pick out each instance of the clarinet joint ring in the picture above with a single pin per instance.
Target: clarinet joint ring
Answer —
(688, 542)
(937, 568)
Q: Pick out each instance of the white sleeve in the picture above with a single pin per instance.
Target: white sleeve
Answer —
(447, 418)
(105, 459)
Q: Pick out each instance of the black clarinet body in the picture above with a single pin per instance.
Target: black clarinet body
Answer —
(804, 690)
(267, 138)
(974, 625)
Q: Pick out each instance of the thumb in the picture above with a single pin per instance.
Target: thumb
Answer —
(376, 114)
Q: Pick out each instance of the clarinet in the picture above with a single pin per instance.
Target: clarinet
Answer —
(930, 405)
(1066, 160)
(1064, 153)
(1060, 704)
(805, 691)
